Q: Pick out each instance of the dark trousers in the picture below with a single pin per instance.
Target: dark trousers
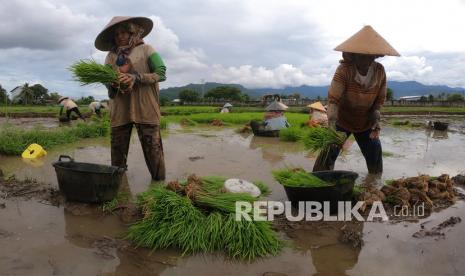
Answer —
(75, 110)
(371, 150)
(150, 139)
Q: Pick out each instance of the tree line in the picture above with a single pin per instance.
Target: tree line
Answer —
(37, 95)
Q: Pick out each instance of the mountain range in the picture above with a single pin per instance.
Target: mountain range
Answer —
(399, 88)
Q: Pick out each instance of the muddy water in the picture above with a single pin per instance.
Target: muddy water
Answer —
(38, 239)
(31, 123)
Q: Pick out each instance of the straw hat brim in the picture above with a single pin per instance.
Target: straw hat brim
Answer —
(62, 99)
(105, 39)
(276, 106)
(367, 41)
(317, 106)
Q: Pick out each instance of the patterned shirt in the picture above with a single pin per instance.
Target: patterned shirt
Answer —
(356, 104)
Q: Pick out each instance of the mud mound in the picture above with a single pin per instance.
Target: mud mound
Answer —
(434, 193)
(217, 122)
(437, 231)
(29, 189)
(245, 129)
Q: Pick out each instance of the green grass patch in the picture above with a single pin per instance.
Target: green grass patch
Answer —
(46, 109)
(110, 206)
(13, 141)
(432, 109)
(387, 154)
(406, 123)
(295, 119)
(292, 134)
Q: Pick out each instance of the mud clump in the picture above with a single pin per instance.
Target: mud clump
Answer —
(433, 193)
(30, 189)
(245, 129)
(217, 122)
(459, 179)
(351, 235)
(195, 158)
(437, 231)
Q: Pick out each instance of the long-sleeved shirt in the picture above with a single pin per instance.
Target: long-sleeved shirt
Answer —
(67, 104)
(276, 123)
(141, 105)
(356, 103)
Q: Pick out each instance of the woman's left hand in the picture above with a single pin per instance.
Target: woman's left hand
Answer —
(374, 134)
(126, 79)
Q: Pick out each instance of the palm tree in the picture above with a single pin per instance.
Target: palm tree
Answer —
(27, 93)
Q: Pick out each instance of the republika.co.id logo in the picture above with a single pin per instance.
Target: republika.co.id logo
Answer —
(310, 211)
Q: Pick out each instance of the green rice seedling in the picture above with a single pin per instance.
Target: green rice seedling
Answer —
(90, 72)
(264, 189)
(110, 206)
(187, 122)
(224, 202)
(291, 134)
(357, 191)
(318, 139)
(298, 178)
(171, 220)
(248, 240)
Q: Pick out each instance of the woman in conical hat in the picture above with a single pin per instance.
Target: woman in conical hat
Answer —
(318, 114)
(356, 94)
(141, 68)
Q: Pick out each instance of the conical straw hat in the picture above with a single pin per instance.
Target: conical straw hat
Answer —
(227, 105)
(367, 41)
(276, 106)
(317, 106)
(62, 99)
(104, 40)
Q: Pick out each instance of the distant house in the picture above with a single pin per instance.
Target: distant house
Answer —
(411, 98)
(15, 93)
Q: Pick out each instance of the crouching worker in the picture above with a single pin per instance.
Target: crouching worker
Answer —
(274, 120)
(96, 107)
(141, 69)
(70, 106)
(318, 116)
(226, 108)
(356, 94)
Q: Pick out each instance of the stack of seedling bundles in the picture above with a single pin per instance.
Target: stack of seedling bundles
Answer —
(197, 216)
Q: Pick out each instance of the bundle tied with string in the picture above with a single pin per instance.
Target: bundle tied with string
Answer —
(88, 72)
(320, 139)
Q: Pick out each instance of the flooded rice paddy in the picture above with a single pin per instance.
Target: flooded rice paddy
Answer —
(39, 239)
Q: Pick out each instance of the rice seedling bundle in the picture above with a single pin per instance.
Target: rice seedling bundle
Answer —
(298, 178)
(319, 139)
(172, 220)
(90, 72)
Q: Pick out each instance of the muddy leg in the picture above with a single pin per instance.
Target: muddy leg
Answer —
(120, 138)
(150, 139)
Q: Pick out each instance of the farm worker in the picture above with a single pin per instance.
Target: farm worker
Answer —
(318, 114)
(226, 108)
(70, 106)
(274, 118)
(355, 96)
(96, 107)
(141, 68)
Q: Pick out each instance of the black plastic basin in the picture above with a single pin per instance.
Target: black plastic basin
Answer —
(87, 182)
(341, 190)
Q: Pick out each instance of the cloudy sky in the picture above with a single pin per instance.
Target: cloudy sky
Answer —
(256, 43)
